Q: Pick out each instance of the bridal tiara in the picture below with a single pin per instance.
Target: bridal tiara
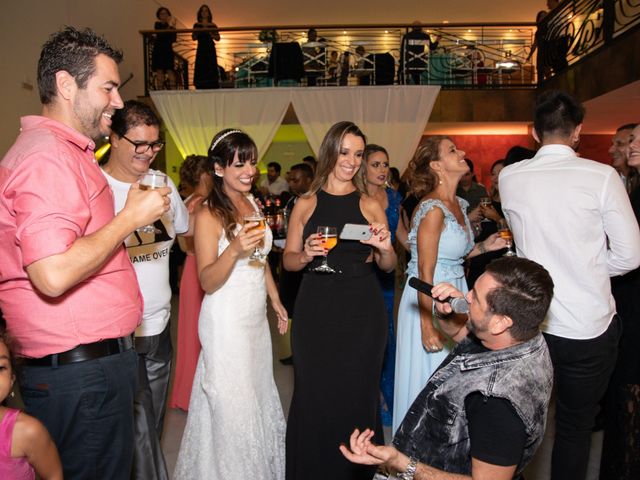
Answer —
(215, 144)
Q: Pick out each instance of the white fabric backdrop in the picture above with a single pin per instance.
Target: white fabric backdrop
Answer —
(194, 117)
(392, 116)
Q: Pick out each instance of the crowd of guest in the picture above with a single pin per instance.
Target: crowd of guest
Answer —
(466, 378)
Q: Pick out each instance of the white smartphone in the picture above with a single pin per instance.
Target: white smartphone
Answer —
(352, 231)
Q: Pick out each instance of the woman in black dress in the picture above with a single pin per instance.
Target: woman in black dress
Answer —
(205, 74)
(162, 53)
(339, 329)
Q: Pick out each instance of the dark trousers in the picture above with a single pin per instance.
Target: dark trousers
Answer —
(87, 408)
(150, 404)
(582, 369)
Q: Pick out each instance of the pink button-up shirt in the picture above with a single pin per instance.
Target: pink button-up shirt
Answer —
(51, 193)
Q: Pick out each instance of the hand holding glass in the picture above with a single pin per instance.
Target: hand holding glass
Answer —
(328, 237)
(505, 232)
(485, 202)
(261, 225)
(150, 181)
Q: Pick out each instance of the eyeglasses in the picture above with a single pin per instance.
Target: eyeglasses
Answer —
(143, 147)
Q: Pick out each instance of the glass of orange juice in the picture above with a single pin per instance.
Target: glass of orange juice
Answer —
(328, 240)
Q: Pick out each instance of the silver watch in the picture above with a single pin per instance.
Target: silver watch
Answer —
(410, 471)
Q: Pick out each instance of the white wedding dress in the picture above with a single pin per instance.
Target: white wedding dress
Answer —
(235, 428)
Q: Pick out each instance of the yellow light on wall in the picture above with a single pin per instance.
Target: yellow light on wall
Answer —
(102, 151)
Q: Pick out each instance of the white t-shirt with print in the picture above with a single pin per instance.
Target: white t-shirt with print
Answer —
(149, 253)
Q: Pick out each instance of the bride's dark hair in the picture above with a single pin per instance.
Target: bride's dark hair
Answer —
(224, 146)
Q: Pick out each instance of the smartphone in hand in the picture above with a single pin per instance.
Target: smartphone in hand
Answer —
(352, 231)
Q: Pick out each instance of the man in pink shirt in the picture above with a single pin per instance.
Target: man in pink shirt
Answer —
(67, 288)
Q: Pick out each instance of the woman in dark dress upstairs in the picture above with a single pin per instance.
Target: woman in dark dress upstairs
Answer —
(340, 318)
(205, 73)
(162, 53)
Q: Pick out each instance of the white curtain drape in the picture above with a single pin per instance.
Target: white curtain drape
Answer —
(394, 116)
(194, 117)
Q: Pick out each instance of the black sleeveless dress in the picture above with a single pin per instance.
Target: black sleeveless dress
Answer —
(339, 333)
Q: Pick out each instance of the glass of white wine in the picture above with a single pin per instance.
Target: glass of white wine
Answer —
(258, 218)
(149, 181)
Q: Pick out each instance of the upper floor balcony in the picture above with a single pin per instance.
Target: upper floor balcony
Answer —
(455, 56)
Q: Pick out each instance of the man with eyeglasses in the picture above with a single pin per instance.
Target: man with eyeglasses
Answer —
(68, 290)
(135, 142)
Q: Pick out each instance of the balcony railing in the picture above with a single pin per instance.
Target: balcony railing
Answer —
(577, 28)
(466, 56)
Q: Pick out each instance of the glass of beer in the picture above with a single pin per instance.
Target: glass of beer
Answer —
(328, 240)
(505, 232)
(149, 181)
(258, 218)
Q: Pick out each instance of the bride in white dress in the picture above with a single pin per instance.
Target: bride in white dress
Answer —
(235, 427)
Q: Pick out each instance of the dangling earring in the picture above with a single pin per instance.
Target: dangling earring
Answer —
(12, 394)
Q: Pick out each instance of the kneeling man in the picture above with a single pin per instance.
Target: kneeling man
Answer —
(482, 414)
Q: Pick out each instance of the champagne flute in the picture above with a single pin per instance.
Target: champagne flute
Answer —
(328, 240)
(258, 218)
(485, 202)
(505, 232)
(150, 181)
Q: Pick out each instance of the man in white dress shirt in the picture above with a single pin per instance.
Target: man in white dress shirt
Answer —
(573, 216)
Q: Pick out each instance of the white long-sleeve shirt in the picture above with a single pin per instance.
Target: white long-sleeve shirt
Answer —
(573, 216)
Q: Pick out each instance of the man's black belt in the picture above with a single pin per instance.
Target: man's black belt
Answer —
(82, 353)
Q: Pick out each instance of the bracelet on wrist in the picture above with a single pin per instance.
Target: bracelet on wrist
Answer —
(481, 248)
(410, 471)
(441, 316)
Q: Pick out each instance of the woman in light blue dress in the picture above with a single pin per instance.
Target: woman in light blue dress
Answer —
(440, 239)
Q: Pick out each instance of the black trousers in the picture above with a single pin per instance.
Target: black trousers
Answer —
(150, 404)
(582, 370)
(86, 407)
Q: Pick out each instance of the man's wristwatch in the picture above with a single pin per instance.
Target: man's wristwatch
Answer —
(410, 471)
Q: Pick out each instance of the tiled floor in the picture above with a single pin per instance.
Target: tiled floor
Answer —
(539, 469)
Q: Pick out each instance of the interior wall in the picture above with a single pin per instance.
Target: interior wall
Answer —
(295, 12)
(27, 24)
(286, 154)
(484, 150)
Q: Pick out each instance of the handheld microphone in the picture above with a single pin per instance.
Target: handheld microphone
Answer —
(458, 304)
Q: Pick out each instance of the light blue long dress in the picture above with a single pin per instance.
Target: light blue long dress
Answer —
(414, 365)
